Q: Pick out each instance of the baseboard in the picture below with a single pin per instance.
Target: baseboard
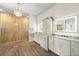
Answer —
(53, 52)
(36, 43)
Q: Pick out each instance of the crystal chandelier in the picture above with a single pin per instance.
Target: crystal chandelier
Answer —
(17, 11)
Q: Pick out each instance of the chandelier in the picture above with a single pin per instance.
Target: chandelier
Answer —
(17, 11)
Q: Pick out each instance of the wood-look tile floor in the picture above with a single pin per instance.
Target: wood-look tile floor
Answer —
(23, 49)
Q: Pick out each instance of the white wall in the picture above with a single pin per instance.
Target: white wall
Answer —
(32, 27)
(59, 11)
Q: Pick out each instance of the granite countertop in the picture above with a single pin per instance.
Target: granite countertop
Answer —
(72, 38)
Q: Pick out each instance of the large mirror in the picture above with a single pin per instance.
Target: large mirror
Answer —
(68, 24)
(71, 24)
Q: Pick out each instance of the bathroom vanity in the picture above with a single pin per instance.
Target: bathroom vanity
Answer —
(64, 46)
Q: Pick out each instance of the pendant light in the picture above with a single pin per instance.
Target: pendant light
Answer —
(17, 11)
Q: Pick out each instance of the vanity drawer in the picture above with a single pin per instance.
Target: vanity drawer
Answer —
(75, 44)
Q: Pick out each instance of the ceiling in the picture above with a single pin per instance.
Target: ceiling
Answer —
(26, 8)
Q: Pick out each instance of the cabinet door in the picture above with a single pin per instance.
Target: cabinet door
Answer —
(65, 47)
(62, 47)
(57, 46)
(51, 43)
(74, 48)
(44, 42)
(75, 51)
(36, 37)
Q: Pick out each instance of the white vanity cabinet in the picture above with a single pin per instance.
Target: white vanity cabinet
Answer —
(74, 48)
(51, 43)
(61, 46)
(65, 47)
(56, 46)
(36, 37)
(44, 42)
